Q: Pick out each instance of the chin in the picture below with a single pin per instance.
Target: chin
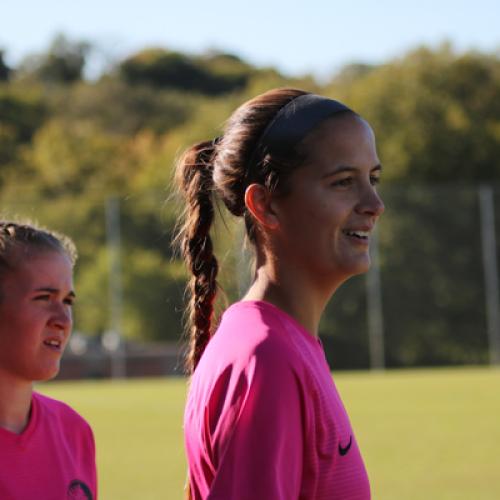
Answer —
(47, 374)
(359, 267)
(364, 268)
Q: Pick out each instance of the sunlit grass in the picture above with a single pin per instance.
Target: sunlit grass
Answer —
(138, 430)
(424, 434)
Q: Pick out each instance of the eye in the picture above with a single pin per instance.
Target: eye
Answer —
(346, 181)
(375, 179)
(70, 301)
(44, 296)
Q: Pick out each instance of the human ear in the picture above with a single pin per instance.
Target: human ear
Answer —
(258, 202)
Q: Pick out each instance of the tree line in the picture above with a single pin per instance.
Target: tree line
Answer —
(68, 144)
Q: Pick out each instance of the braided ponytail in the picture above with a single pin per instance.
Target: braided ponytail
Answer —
(194, 178)
(225, 166)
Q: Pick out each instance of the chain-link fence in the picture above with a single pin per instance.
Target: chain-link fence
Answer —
(430, 298)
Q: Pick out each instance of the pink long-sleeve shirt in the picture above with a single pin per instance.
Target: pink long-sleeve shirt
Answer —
(52, 459)
(263, 418)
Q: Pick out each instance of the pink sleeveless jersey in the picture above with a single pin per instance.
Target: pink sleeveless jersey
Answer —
(263, 417)
(52, 459)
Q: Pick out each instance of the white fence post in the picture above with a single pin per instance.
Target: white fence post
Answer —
(487, 214)
(113, 339)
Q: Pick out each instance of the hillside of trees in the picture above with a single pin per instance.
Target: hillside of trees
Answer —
(69, 145)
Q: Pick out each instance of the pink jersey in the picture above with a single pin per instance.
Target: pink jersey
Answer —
(52, 459)
(263, 417)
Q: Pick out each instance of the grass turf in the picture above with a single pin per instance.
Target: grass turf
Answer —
(424, 434)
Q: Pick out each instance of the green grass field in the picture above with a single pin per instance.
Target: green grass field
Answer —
(424, 434)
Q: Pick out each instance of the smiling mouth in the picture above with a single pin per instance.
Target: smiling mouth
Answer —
(362, 235)
(53, 344)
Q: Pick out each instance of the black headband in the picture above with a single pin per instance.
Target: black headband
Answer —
(293, 122)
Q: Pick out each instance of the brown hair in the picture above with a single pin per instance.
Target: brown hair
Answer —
(225, 167)
(16, 237)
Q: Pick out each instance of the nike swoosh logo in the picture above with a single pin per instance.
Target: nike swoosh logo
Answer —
(343, 451)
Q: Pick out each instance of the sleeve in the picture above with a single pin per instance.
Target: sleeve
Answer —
(260, 454)
(86, 452)
(93, 462)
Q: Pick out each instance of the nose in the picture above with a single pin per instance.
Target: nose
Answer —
(62, 318)
(371, 203)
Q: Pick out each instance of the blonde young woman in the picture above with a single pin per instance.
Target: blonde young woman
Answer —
(46, 449)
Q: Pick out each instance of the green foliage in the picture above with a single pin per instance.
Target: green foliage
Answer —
(352, 72)
(75, 157)
(432, 276)
(63, 63)
(343, 328)
(5, 71)
(22, 112)
(117, 108)
(212, 74)
(67, 144)
(154, 291)
(436, 114)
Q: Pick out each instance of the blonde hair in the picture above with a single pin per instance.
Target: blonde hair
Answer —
(16, 237)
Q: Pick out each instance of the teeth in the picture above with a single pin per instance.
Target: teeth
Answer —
(358, 234)
(54, 343)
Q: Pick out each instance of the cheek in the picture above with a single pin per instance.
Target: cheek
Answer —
(16, 351)
(324, 218)
(313, 215)
(316, 231)
(20, 327)
(315, 206)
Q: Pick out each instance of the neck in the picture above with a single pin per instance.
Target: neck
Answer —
(15, 404)
(296, 293)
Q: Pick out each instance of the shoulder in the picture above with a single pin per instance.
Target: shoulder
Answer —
(250, 367)
(253, 347)
(58, 411)
(254, 323)
(252, 331)
(66, 438)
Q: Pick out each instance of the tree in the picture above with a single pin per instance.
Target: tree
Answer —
(64, 148)
(436, 114)
(212, 74)
(22, 112)
(5, 71)
(118, 108)
(63, 63)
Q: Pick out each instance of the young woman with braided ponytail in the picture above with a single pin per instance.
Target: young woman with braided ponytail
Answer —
(263, 418)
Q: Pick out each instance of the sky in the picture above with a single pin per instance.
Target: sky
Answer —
(297, 37)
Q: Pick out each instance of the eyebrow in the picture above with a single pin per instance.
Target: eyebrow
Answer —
(346, 168)
(54, 290)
